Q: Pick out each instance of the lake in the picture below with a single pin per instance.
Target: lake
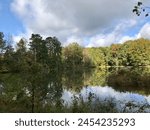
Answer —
(123, 89)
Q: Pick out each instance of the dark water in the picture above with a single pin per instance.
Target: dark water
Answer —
(104, 90)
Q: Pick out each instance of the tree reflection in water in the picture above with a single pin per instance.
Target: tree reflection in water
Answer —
(130, 79)
(103, 90)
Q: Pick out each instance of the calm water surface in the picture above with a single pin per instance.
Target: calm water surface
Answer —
(127, 88)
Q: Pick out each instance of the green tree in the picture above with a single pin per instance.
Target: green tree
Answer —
(54, 50)
(136, 53)
(114, 59)
(87, 61)
(9, 61)
(97, 56)
(2, 42)
(21, 56)
(2, 46)
(21, 46)
(73, 56)
(35, 44)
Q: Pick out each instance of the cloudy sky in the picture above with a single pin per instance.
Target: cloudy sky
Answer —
(88, 22)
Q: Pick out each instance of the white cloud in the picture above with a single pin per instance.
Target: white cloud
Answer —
(77, 20)
(72, 39)
(115, 36)
(145, 31)
(16, 39)
(127, 38)
(27, 35)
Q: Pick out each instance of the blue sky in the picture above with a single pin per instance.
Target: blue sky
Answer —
(88, 22)
(9, 23)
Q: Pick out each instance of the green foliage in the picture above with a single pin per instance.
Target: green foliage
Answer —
(54, 51)
(43, 93)
(36, 46)
(97, 56)
(73, 56)
(49, 54)
(46, 52)
(136, 53)
(130, 79)
(2, 46)
(98, 77)
(2, 42)
(9, 61)
(42, 66)
(87, 61)
(131, 53)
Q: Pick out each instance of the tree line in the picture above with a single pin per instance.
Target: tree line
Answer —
(131, 53)
(49, 55)
(39, 54)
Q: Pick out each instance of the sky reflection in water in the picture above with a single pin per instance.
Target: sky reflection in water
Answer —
(106, 93)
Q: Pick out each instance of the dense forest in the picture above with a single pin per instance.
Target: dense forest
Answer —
(49, 55)
(34, 74)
